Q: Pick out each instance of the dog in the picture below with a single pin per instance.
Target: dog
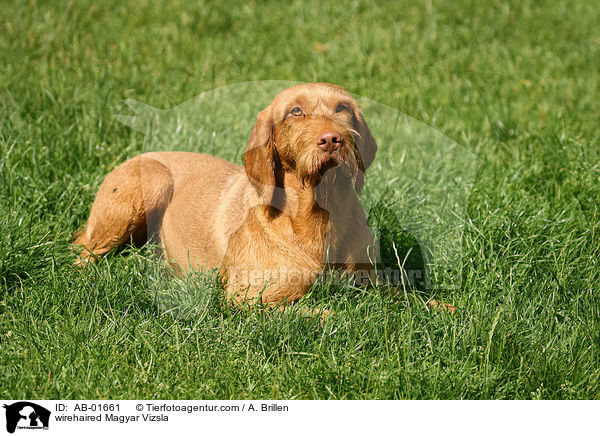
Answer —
(270, 227)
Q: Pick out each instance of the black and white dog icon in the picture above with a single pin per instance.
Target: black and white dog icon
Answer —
(26, 414)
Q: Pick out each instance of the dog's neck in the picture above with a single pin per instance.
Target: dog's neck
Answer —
(308, 207)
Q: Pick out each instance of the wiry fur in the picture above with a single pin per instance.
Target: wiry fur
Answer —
(287, 212)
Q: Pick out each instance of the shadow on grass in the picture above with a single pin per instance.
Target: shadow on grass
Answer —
(401, 260)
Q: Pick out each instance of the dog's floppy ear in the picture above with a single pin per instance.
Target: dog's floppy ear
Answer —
(261, 160)
(366, 146)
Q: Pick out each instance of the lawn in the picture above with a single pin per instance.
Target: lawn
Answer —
(514, 84)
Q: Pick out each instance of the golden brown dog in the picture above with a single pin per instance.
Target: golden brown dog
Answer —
(270, 227)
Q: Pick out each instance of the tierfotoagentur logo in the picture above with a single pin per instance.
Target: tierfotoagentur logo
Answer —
(25, 415)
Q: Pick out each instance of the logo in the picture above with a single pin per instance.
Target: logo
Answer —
(26, 415)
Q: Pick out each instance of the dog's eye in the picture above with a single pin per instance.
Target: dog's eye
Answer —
(341, 108)
(296, 112)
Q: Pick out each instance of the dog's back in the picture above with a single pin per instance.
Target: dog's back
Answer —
(211, 198)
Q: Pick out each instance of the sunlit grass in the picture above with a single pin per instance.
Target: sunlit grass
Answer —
(517, 84)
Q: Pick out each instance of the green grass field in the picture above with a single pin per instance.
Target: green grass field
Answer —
(515, 83)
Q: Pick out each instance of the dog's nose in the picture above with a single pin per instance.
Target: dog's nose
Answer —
(330, 141)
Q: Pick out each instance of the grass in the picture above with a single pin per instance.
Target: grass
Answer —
(514, 83)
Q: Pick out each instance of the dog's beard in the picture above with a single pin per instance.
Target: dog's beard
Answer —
(343, 163)
(323, 172)
(317, 167)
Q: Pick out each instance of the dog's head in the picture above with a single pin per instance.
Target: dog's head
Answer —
(314, 130)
